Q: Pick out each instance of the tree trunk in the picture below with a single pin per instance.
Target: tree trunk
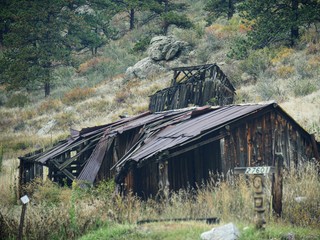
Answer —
(230, 9)
(165, 23)
(47, 89)
(131, 19)
(277, 186)
(166, 6)
(294, 26)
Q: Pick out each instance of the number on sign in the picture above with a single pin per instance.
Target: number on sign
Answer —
(257, 170)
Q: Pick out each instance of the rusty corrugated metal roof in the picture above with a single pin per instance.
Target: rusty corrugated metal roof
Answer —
(183, 132)
(91, 168)
(159, 133)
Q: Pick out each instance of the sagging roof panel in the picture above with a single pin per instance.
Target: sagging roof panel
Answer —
(182, 132)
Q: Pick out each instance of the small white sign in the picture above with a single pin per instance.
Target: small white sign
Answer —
(24, 199)
(257, 170)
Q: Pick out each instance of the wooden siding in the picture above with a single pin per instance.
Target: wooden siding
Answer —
(250, 142)
(255, 141)
(196, 85)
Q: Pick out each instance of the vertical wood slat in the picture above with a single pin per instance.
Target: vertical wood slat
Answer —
(198, 92)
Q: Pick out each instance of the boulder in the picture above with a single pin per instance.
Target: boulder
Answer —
(47, 128)
(165, 48)
(225, 232)
(164, 53)
(143, 69)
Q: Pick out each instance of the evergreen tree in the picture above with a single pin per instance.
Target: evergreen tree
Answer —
(219, 8)
(132, 6)
(172, 14)
(278, 21)
(41, 35)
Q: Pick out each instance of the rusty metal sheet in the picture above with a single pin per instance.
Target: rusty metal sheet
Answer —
(185, 131)
(91, 169)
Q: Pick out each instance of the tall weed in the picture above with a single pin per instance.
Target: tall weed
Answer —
(229, 198)
(301, 195)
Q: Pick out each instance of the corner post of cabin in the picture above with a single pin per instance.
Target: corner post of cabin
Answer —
(174, 79)
(21, 177)
(163, 183)
(277, 185)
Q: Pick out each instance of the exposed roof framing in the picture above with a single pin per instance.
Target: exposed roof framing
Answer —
(156, 136)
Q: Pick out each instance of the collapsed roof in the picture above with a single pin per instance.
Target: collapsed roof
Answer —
(149, 137)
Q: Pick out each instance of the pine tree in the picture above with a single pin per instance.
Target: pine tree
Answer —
(172, 14)
(220, 8)
(131, 7)
(278, 21)
(42, 34)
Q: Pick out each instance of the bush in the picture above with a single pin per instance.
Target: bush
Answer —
(188, 35)
(63, 74)
(92, 64)
(207, 47)
(17, 100)
(180, 20)
(43, 192)
(64, 120)
(304, 183)
(142, 44)
(239, 48)
(282, 56)
(303, 87)
(77, 94)
(285, 71)
(49, 105)
(3, 97)
(257, 62)
(306, 69)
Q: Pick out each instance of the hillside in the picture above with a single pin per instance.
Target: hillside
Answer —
(96, 91)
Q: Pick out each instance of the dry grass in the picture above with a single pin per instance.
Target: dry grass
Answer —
(68, 213)
(286, 76)
(77, 94)
(92, 63)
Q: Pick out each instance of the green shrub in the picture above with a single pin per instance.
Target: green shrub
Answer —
(187, 35)
(257, 62)
(3, 97)
(239, 48)
(63, 74)
(43, 192)
(142, 44)
(207, 47)
(17, 100)
(180, 20)
(267, 89)
(64, 120)
(303, 87)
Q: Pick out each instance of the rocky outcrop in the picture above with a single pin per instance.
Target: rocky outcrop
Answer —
(165, 48)
(164, 52)
(143, 69)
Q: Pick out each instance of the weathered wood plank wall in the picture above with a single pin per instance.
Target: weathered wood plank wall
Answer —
(255, 143)
(200, 85)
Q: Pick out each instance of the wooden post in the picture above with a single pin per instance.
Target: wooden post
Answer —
(163, 183)
(24, 201)
(277, 185)
(259, 199)
(258, 185)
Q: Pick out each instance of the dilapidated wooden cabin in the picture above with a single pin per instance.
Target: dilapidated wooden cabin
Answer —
(194, 85)
(174, 149)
